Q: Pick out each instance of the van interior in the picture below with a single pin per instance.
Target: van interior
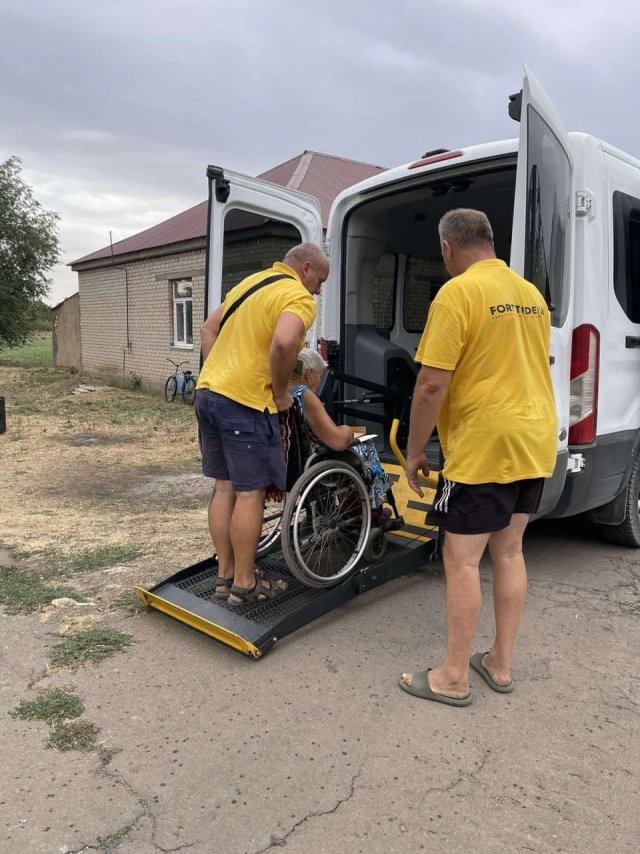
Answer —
(393, 269)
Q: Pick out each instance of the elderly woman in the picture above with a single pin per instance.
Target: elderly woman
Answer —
(305, 381)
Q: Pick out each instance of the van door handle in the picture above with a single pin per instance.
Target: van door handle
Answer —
(631, 342)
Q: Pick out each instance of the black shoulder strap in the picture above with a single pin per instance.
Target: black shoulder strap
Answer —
(236, 305)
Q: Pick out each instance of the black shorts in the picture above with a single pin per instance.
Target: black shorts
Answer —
(239, 444)
(482, 508)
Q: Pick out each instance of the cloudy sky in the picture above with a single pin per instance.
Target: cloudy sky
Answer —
(117, 107)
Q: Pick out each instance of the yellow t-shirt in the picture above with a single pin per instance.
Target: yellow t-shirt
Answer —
(498, 421)
(238, 364)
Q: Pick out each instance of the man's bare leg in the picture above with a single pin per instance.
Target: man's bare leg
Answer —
(220, 514)
(509, 594)
(246, 526)
(461, 555)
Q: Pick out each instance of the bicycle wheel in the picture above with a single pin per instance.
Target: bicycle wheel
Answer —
(170, 389)
(189, 394)
(325, 524)
(270, 535)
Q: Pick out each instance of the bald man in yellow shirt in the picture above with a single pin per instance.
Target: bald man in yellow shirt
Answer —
(250, 345)
(485, 380)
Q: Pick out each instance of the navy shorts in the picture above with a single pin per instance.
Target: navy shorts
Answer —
(239, 444)
(482, 508)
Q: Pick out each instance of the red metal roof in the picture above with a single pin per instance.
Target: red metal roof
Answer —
(319, 175)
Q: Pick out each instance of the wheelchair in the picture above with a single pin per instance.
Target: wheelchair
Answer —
(326, 526)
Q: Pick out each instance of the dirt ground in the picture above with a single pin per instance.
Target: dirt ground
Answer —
(314, 748)
(87, 471)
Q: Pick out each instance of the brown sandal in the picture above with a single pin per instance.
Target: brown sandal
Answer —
(261, 591)
(223, 586)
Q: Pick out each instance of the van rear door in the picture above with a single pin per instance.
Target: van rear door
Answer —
(233, 191)
(543, 240)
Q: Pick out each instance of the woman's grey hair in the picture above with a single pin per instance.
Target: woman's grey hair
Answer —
(311, 360)
(464, 227)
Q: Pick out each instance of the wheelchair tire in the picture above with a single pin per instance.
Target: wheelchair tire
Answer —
(376, 546)
(326, 524)
(271, 523)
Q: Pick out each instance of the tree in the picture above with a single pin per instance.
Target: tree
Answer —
(40, 319)
(28, 249)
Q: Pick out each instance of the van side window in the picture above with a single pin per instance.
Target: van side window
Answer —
(547, 260)
(626, 253)
(422, 281)
(384, 292)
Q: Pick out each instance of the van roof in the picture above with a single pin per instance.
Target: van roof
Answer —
(484, 151)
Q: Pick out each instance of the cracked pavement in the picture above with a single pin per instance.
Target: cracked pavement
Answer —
(314, 749)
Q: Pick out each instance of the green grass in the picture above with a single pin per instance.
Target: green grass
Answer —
(89, 646)
(91, 560)
(52, 705)
(106, 754)
(37, 351)
(23, 592)
(73, 735)
(129, 602)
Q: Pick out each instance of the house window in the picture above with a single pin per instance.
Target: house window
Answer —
(182, 313)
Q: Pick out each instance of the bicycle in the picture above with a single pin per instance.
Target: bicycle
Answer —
(180, 382)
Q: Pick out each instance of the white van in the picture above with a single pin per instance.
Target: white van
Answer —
(565, 209)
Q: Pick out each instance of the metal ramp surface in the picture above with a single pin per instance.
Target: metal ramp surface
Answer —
(188, 596)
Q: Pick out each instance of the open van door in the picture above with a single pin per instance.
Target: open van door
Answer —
(543, 240)
(233, 191)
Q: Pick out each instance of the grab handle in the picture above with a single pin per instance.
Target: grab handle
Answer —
(432, 480)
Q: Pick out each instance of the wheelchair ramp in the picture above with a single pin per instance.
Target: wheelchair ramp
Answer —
(188, 596)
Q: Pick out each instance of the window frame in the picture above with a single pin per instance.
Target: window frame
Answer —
(626, 209)
(532, 248)
(181, 301)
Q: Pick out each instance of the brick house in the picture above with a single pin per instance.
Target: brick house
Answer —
(143, 301)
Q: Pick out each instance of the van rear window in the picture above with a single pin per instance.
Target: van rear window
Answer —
(547, 257)
(384, 292)
(626, 253)
(422, 281)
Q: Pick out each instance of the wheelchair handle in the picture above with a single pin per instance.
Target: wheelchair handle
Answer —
(432, 480)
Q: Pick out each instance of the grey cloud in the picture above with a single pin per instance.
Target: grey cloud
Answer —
(117, 108)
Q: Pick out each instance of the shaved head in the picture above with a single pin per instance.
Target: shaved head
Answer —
(305, 252)
(310, 263)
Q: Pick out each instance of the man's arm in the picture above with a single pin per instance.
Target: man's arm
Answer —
(285, 346)
(428, 396)
(209, 331)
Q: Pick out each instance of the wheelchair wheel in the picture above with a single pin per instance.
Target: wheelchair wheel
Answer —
(326, 524)
(270, 535)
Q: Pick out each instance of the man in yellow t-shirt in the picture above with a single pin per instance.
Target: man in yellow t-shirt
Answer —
(485, 380)
(250, 345)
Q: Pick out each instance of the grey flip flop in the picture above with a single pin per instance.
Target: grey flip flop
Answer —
(476, 663)
(420, 687)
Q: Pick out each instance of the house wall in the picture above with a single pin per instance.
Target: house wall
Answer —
(103, 309)
(67, 348)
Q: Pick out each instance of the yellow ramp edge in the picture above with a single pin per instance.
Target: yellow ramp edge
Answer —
(196, 622)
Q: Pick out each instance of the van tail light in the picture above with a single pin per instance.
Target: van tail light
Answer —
(583, 388)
